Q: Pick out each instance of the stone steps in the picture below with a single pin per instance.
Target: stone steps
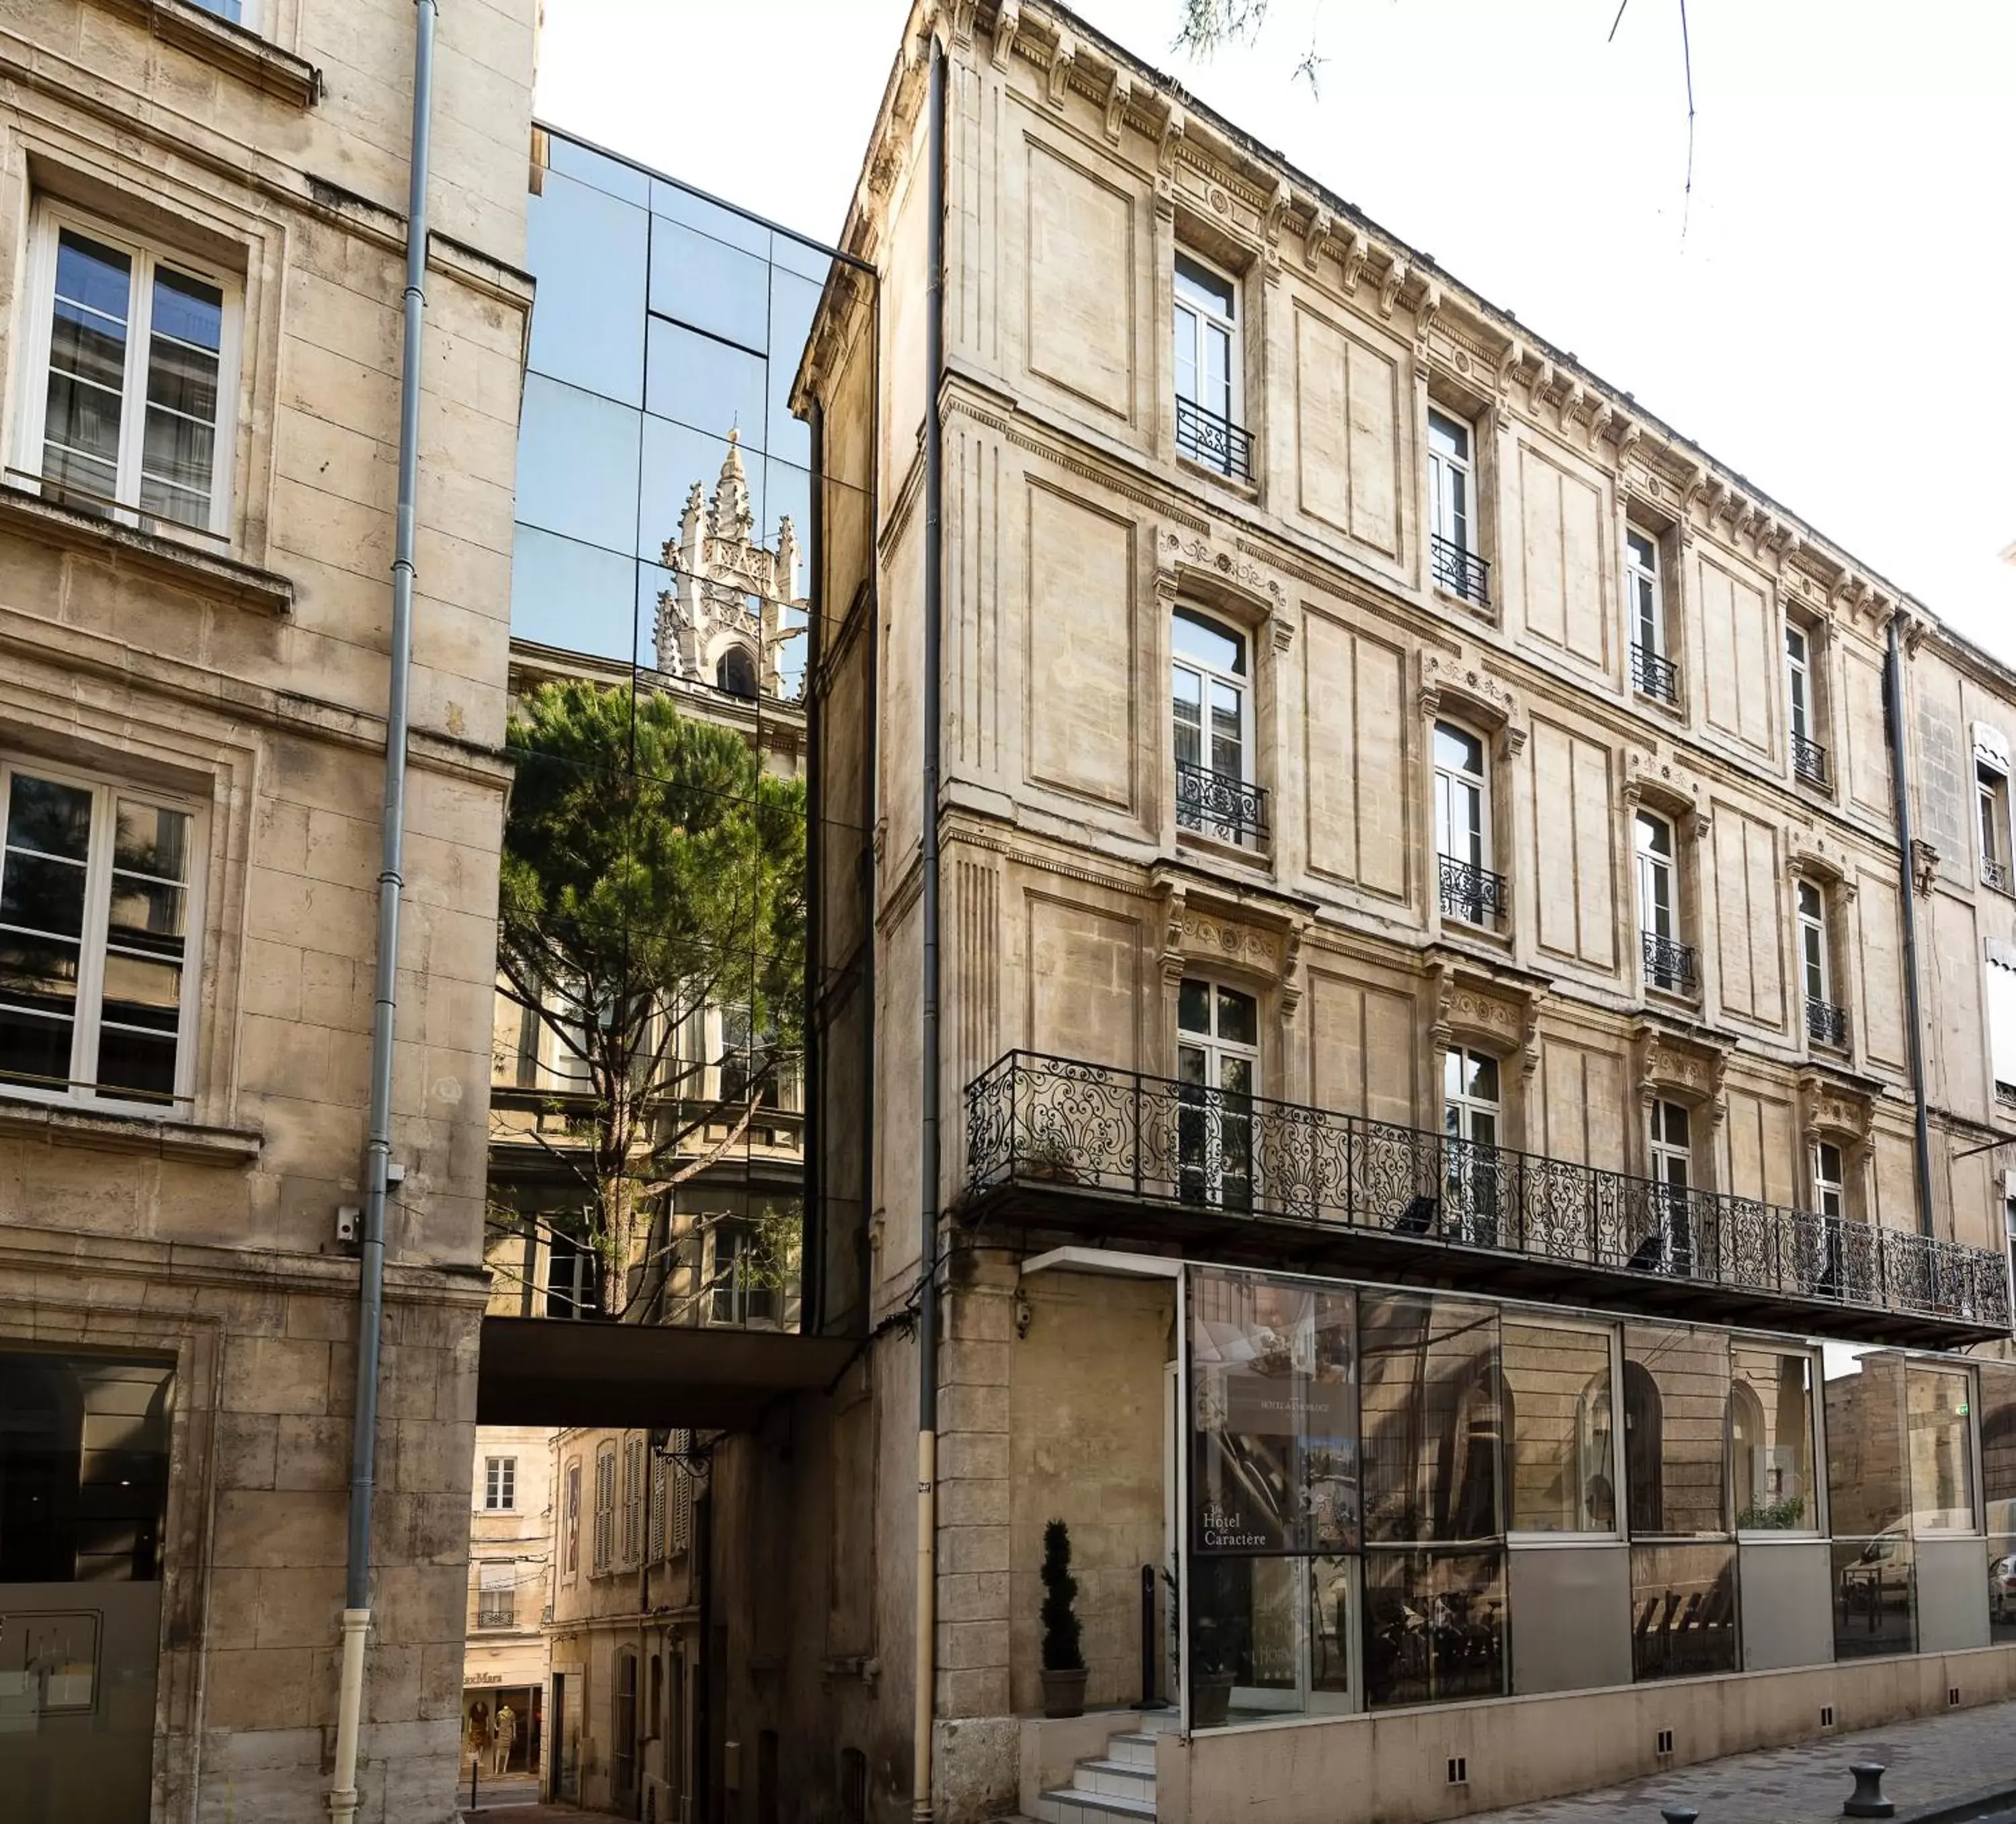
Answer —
(1105, 1789)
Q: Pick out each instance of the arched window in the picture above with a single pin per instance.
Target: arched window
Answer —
(736, 673)
(1644, 1471)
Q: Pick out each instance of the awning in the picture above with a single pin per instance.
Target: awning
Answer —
(541, 1371)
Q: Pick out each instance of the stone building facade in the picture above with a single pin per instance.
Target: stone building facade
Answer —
(513, 1519)
(1429, 1156)
(200, 287)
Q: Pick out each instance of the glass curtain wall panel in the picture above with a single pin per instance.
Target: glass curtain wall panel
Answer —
(1940, 1429)
(1560, 1473)
(1675, 1407)
(1875, 1596)
(1434, 1408)
(1998, 1444)
(1862, 1397)
(1434, 1626)
(1682, 1610)
(1771, 1441)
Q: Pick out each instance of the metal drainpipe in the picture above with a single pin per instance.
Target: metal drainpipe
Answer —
(1900, 791)
(378, 1152)
(928, 1310)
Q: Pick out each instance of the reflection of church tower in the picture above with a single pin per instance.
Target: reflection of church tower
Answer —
(722, 622)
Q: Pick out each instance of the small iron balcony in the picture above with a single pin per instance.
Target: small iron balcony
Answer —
(1471, 893)
(1669, 964)
(1462, 573)
(1063, 1143)
(1995, 874)
(1827, 1024)
(1809, 762)
(1216, 442)
(1217, 804)
(1655, 675)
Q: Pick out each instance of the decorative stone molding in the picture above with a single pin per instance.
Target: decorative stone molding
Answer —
(1117, 97)
(1356, 251)
(1063, 54)
(1924, 867)
(1007, 19)
(1425, 313)
(1811, 854)
(1197, 932)
(1456, 681)
(1492, 1012)
(1670, 1067)
(1389, 287)
(1666, 787)
(1840, 1113)
(1184, 561)
(1322, 229)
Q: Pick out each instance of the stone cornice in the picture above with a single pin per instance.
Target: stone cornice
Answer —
(244, 53)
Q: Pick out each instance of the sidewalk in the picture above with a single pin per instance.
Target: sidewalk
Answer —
(1934, 1758)
(528, 1812)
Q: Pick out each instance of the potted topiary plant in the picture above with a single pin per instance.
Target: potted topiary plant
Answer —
(1064, 1661)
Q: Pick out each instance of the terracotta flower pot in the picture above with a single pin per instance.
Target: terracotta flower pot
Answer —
(1064, 1692)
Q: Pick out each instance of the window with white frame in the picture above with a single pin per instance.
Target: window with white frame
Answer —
(1991, 786)
(1469, 889)
(1217, 1064)
(1669, 964)
(97, 900)
(1469, 1124)
(1826, 1020)
(1206, 358)
(1669, 1247)
(497, 1595)
(1808, 757)
(500, 1483)
(132, 371)
(1451, 503)
(1652, 670)
(1830, 1183)
(1211, 711)
(245, 13)
(2001, 978)
(746, 1278)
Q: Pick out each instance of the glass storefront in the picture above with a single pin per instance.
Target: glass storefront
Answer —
(1369, 1469)
(83, 1479)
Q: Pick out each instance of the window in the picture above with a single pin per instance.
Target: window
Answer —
(605, 1509)
(633, 1499)
(1992, 794)
(574, 1276)
(1470, 1121)
(1212, 709)
(572, 1537)
(500, 1483)
(496, 1595)
(97, 884)
(623, 1725)
(1206, 370)
(1652, 672)
(2002, 1026)
(745, 1276)
(735, 674)
(1669, 964)
(1771, 1441)
(1667, 1244)
(237, 12)
(1452, 536)
(134, 354)
(1808, 757)
(1470, 890)
(1826, 1020)
(1830, 1198)
(1218, 1061)
(1560, 1465)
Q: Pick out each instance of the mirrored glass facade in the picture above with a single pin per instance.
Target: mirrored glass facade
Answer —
(675, 519)
(1623, 1476)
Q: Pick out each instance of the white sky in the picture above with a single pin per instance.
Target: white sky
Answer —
(1833, 325)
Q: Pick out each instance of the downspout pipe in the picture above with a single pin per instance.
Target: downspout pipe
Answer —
(927, 1308)
(392, 881)
(1900, 791)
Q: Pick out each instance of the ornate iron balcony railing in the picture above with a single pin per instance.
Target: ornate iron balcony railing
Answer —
(1809, 761)
(1216, 442)
(1471, 892)
(1218, 804)
(1995, 874)
(1653, 674)
(1827, 1024)
(1459, 572)
(1669, 964)
(1036, 1121)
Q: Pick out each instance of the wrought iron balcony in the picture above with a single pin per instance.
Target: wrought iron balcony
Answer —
(1459, 572)
(1827, 1024)
(1216, 442)
(1653, 674)
(1470, 892)
(1809, 761)
(1669, 964)
(1218, 804)
(1061, 1143)
(1995, 874)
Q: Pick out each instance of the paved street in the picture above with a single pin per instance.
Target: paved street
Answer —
(1936, 1758)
